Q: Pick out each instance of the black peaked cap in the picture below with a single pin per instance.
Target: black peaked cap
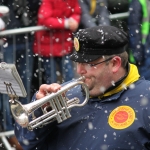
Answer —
(92, 43)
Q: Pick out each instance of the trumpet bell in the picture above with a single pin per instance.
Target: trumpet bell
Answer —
(19, 113)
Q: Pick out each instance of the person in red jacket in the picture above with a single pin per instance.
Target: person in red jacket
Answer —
(62, 18)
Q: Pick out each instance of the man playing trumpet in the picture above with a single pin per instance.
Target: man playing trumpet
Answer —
(117, 113)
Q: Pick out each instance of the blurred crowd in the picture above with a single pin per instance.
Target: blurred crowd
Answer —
(43, 56)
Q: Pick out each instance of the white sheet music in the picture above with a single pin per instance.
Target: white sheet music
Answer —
(9, 75)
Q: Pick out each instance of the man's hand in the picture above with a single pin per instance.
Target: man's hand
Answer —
(46, 89)
(73, 24)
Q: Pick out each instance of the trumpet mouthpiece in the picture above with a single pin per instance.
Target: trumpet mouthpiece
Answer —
(82, 78)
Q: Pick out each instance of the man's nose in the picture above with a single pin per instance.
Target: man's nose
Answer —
(81, 69)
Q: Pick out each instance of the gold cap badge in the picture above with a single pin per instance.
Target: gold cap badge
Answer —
(76, 44)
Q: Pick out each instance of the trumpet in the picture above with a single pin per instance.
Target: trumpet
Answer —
(58, 108)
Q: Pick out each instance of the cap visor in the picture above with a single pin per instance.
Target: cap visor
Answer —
(83, 58)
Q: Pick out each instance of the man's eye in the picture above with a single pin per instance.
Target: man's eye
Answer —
(91, 65)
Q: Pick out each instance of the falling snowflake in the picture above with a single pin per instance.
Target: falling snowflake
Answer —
(113, 83)
(132, 86)
(90, 126)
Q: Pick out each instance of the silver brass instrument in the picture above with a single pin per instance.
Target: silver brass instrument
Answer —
(59, 104)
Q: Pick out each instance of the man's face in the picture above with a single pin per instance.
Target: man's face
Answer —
(99, 77)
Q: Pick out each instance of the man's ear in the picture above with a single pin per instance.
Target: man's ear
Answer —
(116, 63)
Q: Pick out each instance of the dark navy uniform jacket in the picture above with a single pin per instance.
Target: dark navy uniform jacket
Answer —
(98, 125)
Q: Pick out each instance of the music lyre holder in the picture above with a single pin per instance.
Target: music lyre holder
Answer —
(11, 92)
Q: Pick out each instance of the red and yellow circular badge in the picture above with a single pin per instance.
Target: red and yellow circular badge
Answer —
(121, 117)
(76, 44)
